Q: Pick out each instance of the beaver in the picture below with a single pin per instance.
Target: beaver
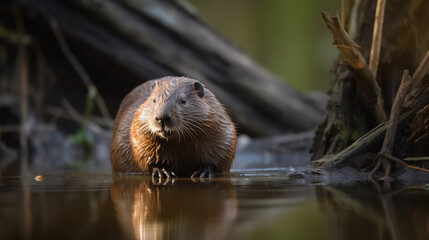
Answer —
(172, 127)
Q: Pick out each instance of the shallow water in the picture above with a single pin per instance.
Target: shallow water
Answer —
(260, 204)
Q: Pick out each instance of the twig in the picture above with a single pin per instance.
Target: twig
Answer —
(417, 95)
(17, 128)
(84, 76)
(397, 160)
(10, 128)
(72, 111)
(57, 112)
(343, 14)
(22, 73)
(41, 80)
(369, 91)
(392, 158)
(364, 143)
(76, 116)
(389, 138)
(418, 168)
(421, 71)
(416, 158)
(377, 166)
(61, 113)
(386, 149)
(419, 127)
(374, 55)
(12, 37)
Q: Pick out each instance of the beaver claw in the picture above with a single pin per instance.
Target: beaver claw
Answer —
(161, 173)
(203, 173)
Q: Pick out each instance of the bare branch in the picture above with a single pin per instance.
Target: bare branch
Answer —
(79, 68)
(369, 90)
(374, 55)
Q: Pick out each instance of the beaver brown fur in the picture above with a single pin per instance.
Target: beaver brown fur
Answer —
(173, 126)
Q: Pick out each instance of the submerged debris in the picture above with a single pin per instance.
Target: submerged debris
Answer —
(39, 178)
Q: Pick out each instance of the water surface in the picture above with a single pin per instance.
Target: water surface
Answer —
(260, 204)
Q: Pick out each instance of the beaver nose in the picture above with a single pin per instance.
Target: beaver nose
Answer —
(163, 119)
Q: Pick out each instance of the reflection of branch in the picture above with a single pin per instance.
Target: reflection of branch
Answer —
(386, 200)
(343, 205)
(343, 199)
(369, 91)
(390, 215)
(26, 211)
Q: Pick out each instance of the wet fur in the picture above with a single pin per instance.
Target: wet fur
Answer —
(201, 133)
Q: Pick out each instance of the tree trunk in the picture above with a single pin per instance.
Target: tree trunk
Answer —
(405, 41)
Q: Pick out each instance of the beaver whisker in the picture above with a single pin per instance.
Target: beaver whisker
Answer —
(180, 132)
(190, 133)
(177, 130)
(196, 125)
(185, 132)
(192, 128)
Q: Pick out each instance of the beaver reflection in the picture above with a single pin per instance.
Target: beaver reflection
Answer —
(183, 210)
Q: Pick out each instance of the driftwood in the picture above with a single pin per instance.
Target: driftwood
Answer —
(116, 45)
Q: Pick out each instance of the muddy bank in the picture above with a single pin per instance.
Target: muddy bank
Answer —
(349, 175)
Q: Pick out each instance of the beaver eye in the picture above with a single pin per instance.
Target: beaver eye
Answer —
(183, 101)
(154, 100)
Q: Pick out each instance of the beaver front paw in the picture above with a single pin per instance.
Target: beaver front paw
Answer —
(162, 173)
(206, 172)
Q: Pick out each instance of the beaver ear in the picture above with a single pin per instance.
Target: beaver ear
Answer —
(154, 84)
(199, 88)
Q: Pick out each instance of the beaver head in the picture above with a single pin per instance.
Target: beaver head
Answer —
(175, 109)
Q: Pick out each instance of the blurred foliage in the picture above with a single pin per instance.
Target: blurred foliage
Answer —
(289, 38)
(81, 137)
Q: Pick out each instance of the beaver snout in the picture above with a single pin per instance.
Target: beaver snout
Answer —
(163, 119)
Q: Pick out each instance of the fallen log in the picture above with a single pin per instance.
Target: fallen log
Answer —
(124, 43)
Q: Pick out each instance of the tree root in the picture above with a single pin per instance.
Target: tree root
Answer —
(389, 159)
